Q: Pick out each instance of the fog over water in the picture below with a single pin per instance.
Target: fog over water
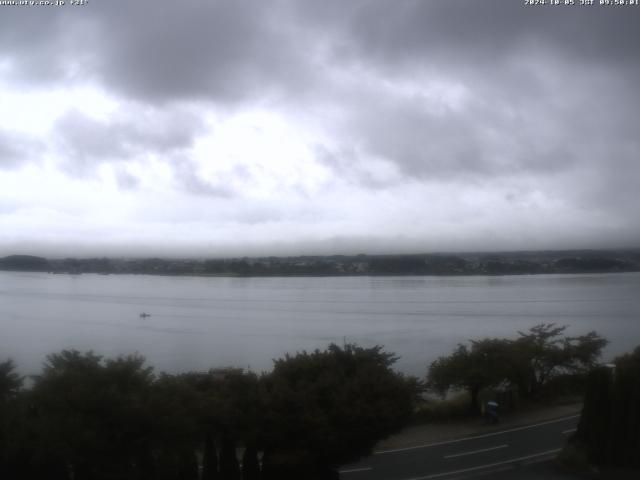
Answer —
(203, 322)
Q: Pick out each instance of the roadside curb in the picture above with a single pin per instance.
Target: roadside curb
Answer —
(435, 433)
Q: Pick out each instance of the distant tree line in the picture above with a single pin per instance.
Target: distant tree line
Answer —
(433, 264)
(90, 418)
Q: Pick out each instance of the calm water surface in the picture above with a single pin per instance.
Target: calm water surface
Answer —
(200, 322)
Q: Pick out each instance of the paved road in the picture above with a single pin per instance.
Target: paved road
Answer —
(465, 457)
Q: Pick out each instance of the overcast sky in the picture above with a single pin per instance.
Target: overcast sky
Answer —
(212, 128)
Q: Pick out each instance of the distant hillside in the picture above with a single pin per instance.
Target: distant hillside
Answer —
(499, 263)
(24, 263)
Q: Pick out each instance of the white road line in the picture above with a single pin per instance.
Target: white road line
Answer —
(354, 470)
(476, 451)
(505, 468)
(485, 435)
(489, 465)
(571, 430)
(484, 473)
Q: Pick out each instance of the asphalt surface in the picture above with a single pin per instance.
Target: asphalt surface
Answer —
(467, 457)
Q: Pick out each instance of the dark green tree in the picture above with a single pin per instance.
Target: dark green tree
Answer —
(10, 381)
(331, 407)
(187, 465)
(92, 414)
(542, 353)
(167, 465)
(89, 418)
(593, 428)
(209, 459)
(229, 466)
(529, 362)
(609, 427)
(11, 420)
(484, 364)
(177, 431)
(250, 464)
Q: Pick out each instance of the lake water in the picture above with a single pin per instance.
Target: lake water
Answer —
(202, 322)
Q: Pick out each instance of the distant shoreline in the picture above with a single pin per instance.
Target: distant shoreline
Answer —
(462, 264)
(329, 275)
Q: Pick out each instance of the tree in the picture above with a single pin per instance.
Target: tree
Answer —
(229, 466)
(10, 386)
(542, 353)
(177, 432)
(624, 450)
(250, 463)
(486, 363)
(330, 407)
(93, 415)
(529, 362)
(209, 459)
(187, 465)
(10, 381)
(609, 427)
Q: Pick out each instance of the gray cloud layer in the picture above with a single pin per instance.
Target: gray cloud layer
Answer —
(439, 93)
(82, 139)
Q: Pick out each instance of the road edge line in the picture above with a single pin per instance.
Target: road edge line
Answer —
(488, 465)
(354, 470)
(473, 452)
(474, 437)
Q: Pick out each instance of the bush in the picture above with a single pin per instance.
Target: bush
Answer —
(563, 386)
(436, 410)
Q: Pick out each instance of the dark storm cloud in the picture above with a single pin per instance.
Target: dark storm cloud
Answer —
(157, 51)
(471, 34)
(524, 119)
(230, 50)
(216, 50)
(553, 90)
(485, 138)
